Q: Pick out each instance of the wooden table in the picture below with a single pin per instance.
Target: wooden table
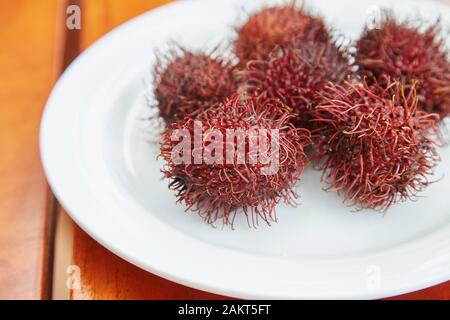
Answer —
(35, 48)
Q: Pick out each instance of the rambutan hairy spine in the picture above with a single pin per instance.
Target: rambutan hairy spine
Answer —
(376, 148)
(276, 26)
(218, 191)
(296, 74)
(408, 52)
(187, 83)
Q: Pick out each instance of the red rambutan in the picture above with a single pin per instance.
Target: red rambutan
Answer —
(276, 26)
(376, 148)
(408, 53)
(188, 83)
(296, 74)
(236, 175)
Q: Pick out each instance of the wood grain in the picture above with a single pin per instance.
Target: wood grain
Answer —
(103, 275)
(27, 37)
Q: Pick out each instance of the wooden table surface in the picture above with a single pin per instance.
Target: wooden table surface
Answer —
(35, 48)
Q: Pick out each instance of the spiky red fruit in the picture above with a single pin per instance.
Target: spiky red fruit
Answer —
(276, 26)
(408, 53)
(218, 189)
(187, 83)
(376, 148)
(296, 74)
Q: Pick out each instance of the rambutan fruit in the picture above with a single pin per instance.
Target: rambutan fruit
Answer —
(243, 171)
(296, 74)
(276, 26)
(187, 83)
(408, 52)
(376, 147)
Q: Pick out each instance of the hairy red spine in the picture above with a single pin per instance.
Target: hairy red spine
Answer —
(220, 190)
(376, 147)
(188, 83)
(296, 75)
(276, 26)
(408, 53)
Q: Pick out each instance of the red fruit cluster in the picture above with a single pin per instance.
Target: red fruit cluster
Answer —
(296, 74)
(376, 148)
(188, 83)
(408, 53)
(274, 27)
(373, 129)
(219, 190)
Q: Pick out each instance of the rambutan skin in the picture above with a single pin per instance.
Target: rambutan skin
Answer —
(188, 83)
(408, 53)
(296, 75)
(217, 191)
(276, 26)
(376, 146)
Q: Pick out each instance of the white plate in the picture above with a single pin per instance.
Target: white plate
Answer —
(102, 168)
